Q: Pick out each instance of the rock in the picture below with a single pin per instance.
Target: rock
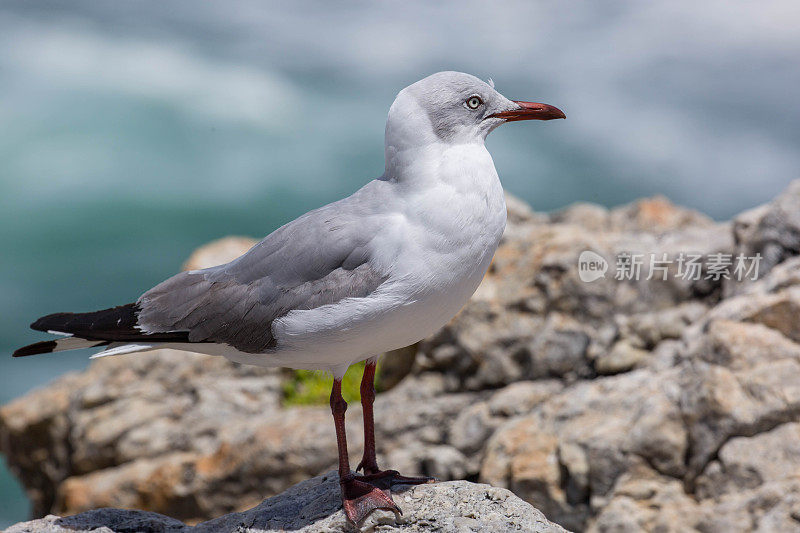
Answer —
(315, 506)
(674, 446)
(575, 445)
(154, 407)
(647, 330)
(587, 216)
(737, 381)
(643, 500)
(771, 507)
(473, 427)
(657, 215)
(102, 521)
(752, 487)
(621, 358)
(748, 463)
(396, 365)
(780, 313)
(521, 397)
(772, 230)
(560, 349)
(611, 405)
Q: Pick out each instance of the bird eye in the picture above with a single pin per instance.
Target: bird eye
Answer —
(474, 102)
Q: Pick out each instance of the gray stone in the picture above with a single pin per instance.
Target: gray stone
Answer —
(315, 506)
(657, 215)
(772, 230)
(522, 397)
(749, 462)
(472, 428)
(621, 358)
(588, 216)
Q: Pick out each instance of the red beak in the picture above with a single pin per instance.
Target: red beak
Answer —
(530, 111)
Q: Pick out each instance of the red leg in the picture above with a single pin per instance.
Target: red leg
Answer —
(384, 478)
(368, 462)
(359, 497)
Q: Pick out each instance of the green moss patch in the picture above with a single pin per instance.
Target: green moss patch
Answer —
(312, 387)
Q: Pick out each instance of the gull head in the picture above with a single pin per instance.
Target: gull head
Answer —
(455, 108)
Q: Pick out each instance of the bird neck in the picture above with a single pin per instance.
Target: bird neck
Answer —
(461, 166)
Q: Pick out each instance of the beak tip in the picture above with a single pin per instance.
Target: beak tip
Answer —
(552, 112)
(531, 111)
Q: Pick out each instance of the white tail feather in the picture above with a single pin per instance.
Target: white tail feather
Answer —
(61, 333)
(119, 350)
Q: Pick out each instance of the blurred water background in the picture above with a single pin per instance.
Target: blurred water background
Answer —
(133, 132)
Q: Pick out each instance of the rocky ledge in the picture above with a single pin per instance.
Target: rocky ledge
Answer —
(663, 403)
(314, 506)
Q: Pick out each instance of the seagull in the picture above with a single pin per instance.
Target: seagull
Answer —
(376, 271)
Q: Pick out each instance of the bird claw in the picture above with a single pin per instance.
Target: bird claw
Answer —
(366, 469)
(389, 478)
(360, 498)
(363, 493)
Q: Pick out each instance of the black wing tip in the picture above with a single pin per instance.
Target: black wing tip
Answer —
(114, 324)
(35, 348)
(44, 323)
(85, 322)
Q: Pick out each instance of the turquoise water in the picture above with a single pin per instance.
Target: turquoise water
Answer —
(132, 133)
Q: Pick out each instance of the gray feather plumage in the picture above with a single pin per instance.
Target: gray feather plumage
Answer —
(318, 259)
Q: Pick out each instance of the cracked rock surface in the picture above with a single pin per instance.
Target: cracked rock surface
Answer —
(611, 405)
(314, 506)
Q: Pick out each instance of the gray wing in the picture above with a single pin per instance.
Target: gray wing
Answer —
(320, 258)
